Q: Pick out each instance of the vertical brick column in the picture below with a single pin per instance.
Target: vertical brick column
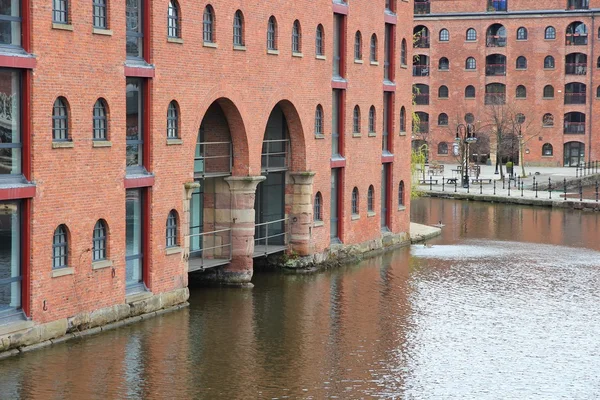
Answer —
(301, 216)
(189, 188)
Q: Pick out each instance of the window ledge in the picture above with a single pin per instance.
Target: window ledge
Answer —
(470, 69)
(374, 63)
(547, 156)
(401, 208)
(520, 69)
(356, 134)
(320, 57)
(371, 214)
(358, 61)
(101, 143)
(62, 27)
(174, 40)
(101, 264)
(102, 31)
(443, 98)
(62, 272)
(273, 52)
(211, 45)
(372, 134)
(547, 126)
(355, 217)
(63, 145)
(174, 141)
(551, 69)
(547, 98)
(318, 223)
(239, 48)
(173, 250)
(319, 136)
(402, 133)
(295, 54)
(520, 98)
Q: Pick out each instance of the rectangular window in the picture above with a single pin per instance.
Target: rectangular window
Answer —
(135, 32)
(335, 123)
(133, 235)
(384, 195)
(99, 11)
(10, 124)
(337, 51)
(386, 115)
(135, 118)
(387, 56)
(10, 262)
(60, 11)
(10, 22)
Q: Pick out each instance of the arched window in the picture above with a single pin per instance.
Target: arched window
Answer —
(442, 148)
(549, 62)
(173, 120)
(99, 241)
(520, 118)
(358, 46)
(576, 34)
(521, 62)
(443, 119)
(99, 123)
(470, 92)
(469, 118)
(598, 63)
(238, 28)
(444, 64)
(319, 120)
(550, 33)
(420, 37)
(470, 63)
(521, 92)
(296, 37)
(598, 92)
(496, 36)
(495, 93)
(371, 199)
(403, 118)
(372, 120)
(374, 48)
(60, 11)
(548, 92)
(60, 248)
(208, 24)
(319, 42)
(547, 150)
(99, 14)
(401, 194)
(60, 120)
(171, 232)
(471, 35)
(548, 120)
(173, 28)
(522, 33)
(356, 120)
(355, 201)
(403, 52)
(272, 34)
(444, 35)
(318, 207)
(443, 92)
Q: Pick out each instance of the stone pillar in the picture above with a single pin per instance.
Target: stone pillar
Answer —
(189, 188)
(301, 216)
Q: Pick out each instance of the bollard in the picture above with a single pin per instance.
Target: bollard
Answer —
(430, 183)
(535, 185)
(442, 183)
(480, 187)
(494, 187)
(502, 183)
(521, 188)
(518, 182)
(508, 188)
(468, 187)
(596, 191)
(455, 185)
(550, 188)
(565, 187)
(580, 191)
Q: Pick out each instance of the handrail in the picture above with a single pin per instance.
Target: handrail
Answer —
(268, 155)
(201, 149)
(203, 250)
(266, 236)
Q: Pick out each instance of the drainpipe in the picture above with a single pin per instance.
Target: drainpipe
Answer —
(591, 91)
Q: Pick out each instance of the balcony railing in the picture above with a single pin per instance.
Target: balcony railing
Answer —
(420, 70)
(495, 69)
(271, 237)
(422, 99)
(495, 98)
(213, 159)
(422, 7)
(575, 39)
(423, 126)
(214, 249)
(421, 42)
(574, 128)
(575, 68)
(575, 98)
(495, 41)
(275, 155)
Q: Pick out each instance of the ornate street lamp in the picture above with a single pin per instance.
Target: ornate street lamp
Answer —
(465, 134)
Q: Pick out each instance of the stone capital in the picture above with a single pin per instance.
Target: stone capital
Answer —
(303, 178)
(189, 188)
(244, 184)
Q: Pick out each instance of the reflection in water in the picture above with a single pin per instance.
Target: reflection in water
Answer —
(503, 305)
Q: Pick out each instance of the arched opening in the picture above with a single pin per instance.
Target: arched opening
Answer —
(496, 36)
(575, 64)
(574, 154)
(575, 93)
(420, 65)
(576, 34)
(421, 94)
(495, 65)
(421, 37)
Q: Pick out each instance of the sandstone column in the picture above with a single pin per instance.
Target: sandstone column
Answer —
(189, 188)
(301, 217)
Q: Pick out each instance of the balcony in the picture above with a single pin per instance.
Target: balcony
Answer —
(574, 128)
(495, 98)
(495, 70)
(422, 7)
(575, 39)
(275, 155)
(575, 68)
(575, 98)
(421, 42)
(495, 41)
(213, 159)
(421, 99)
(420, 70)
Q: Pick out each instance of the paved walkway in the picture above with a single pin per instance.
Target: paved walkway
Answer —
(420, 233)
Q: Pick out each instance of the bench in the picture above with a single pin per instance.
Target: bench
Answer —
(428, 181)
(481, 180)
(451, 181)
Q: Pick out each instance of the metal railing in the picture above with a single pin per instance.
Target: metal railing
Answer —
(421, 99)
(495, 69)
(575, 39)
(575, 68)
(587, 168)
(210, 253)
(420, 70)
(213, 158)
(278, 237)
(422, 7)
(275, 155)
(574, 127)
(495, 41)
(575, 98)
(421, 42)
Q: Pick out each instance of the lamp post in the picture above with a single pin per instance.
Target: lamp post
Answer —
(465, 135)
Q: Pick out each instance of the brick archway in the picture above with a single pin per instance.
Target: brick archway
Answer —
(296, 133)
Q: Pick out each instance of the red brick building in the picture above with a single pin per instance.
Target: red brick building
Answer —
(539, 58)
(143, 139)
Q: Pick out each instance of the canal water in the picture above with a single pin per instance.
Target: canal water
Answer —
(505, 305)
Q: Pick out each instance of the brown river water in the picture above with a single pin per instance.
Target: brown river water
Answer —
(505, 305)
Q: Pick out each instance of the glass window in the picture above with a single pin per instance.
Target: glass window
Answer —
(373, 48)
(335, 122)
(135, 116)
(442, 120)
(442, 148)
(443, 92)
(547, 149)
(60, 11)
(401, 194)
(521, 92)
(470, 92)
(522, 33)
(355, 201)
(208, 25)
(471, 35)
(10, 22)
(238, 29)
(173, 121)
(133, 241)
(356, 120)
(319, 120)
(318, 208)
(99, 14)
(548, 120)
(171, 233)
(470, 63)
(272, 34)
(403, 119)
(135, 34)
(372, 120)
(550, 33)
(521, 62)
(99, 241)
(444, 35)
(60, 248)
(100, 127)
(358, 46)
(10, 261)
(469, 118)
(548, 91)
(173, 29)
(444, 64)
(371, 199)
(319, 46)
(60, 120)
(296, 37)
(549, 62)
(10, 126)
(403, 52)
